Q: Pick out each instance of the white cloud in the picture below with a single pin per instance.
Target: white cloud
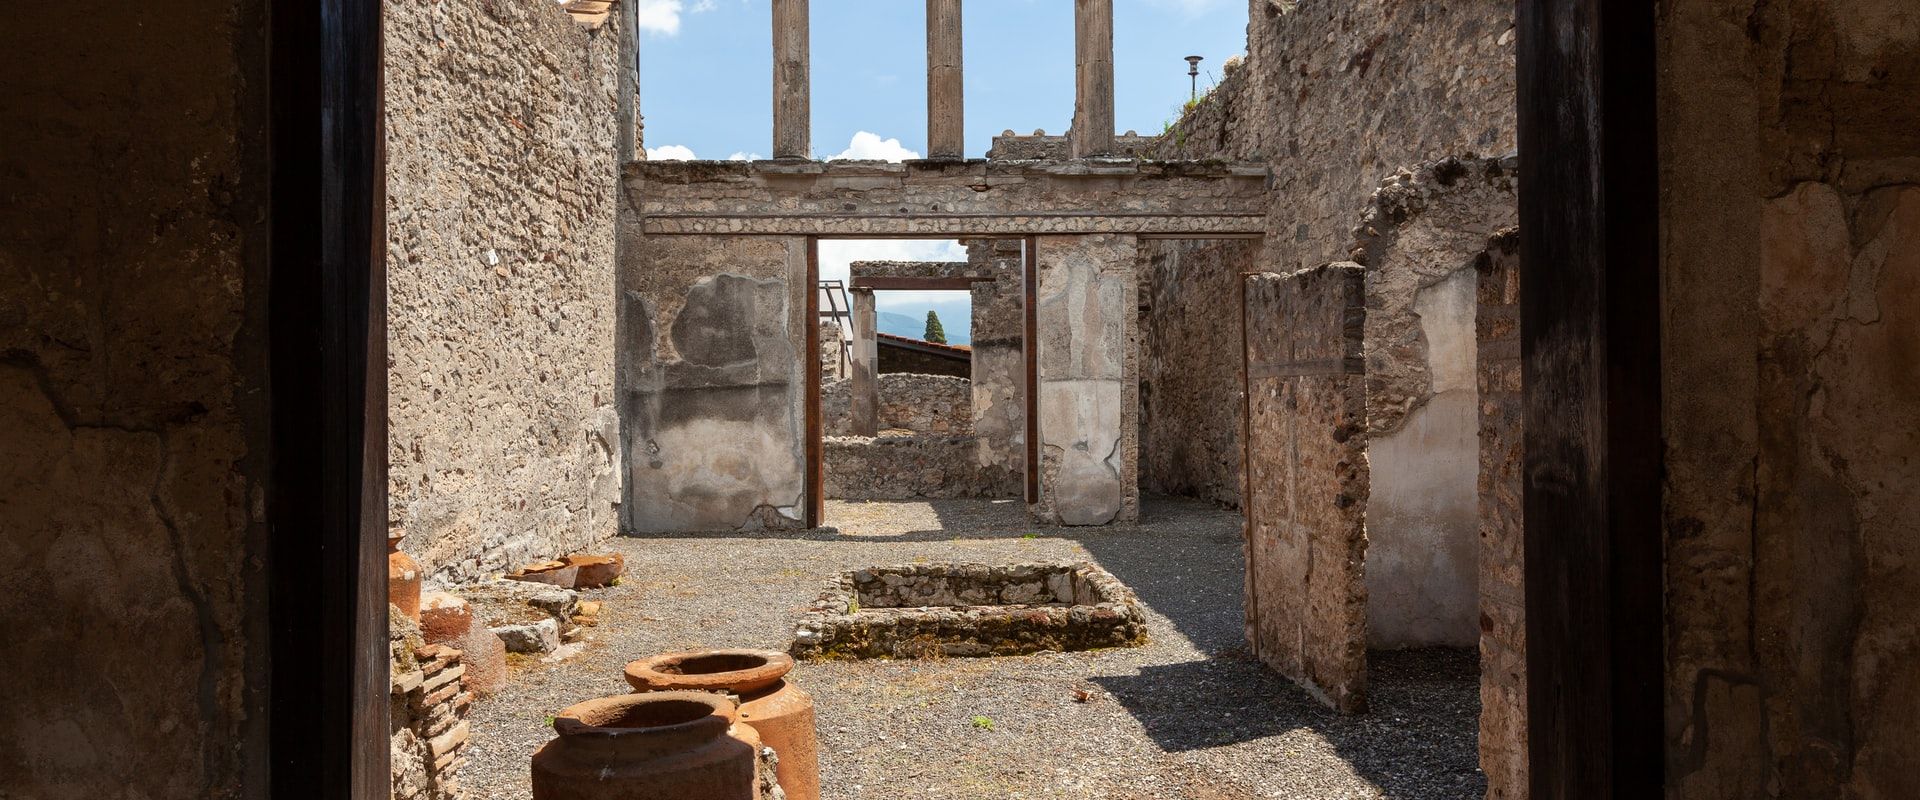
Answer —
(702, 7)
(743, 155)
(837, 254)
(870, 147)
(671, 152)
(660, 16)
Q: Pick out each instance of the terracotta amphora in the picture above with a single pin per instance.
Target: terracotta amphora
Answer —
(403, 579)
(679, 745)
(779, 710)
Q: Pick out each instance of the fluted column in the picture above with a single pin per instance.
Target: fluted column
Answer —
(792, 110)
(946, 93)
(1093, 78)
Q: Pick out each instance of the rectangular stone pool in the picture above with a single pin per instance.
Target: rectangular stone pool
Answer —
(922, 610)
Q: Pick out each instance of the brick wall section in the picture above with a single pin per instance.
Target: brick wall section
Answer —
(1306, 595)
(1503, 652)
(429, 701)
(501, 178)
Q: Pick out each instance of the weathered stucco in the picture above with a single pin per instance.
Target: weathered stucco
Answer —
(711, 381)
(1420, 237)
(133, 273)
(501, 180)
(1790, 152)
(1085, 312)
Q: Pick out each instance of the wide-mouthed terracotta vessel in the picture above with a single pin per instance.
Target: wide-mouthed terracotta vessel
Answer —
(403, 578)
(654, 746)
(779, 710)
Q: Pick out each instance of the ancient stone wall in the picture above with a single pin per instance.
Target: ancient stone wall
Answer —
(908, 401)
(1335, 97)
(1190, 368)
(999, 360)
(1790, 259)
(1306, 597)
(903, 467)
(1419, 238)
(711, 380)
(1503, 597)
(501, 176)
(133, 399)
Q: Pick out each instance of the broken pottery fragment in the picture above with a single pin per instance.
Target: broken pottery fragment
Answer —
(595, 571)
(683, 745)
(552, 573)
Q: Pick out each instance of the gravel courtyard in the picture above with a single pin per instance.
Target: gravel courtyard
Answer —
(1190, 715)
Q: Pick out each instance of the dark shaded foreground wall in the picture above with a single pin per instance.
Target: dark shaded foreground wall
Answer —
(132, 400)
(1790, 151)
(1335, 97)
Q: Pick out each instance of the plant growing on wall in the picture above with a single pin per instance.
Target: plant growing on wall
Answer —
(935, 333)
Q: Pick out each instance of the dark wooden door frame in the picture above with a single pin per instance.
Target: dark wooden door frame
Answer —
(1590, 343)
(327, 345)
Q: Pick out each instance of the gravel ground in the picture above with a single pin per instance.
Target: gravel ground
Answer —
(1188, 716)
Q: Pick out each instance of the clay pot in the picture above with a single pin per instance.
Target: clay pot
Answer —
(596, 571)
(683, 745)
(403, 579)
(780, 711)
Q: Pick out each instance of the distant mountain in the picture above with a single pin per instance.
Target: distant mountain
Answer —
(956, 317)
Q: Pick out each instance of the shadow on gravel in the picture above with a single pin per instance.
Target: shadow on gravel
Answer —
(1419, 741)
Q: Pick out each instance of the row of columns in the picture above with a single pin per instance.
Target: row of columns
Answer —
(1093, 119)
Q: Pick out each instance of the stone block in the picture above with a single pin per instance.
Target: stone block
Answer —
(536, 637)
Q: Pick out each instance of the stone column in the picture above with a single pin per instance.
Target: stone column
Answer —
(792, 113)
(1092, 133)
(946, 94)
(864, 391)
(1086, 317)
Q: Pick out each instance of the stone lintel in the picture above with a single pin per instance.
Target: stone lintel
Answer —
(950, 199)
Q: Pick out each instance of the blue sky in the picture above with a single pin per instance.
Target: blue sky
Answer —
(706, 82)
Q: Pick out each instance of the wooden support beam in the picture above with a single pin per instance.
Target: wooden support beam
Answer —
(963, 283)
(1590, 345)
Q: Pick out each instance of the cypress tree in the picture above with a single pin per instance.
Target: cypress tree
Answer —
(935, 333)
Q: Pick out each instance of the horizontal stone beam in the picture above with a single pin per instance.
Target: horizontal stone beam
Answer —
(938, 199)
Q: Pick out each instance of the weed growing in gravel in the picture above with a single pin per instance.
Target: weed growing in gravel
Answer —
(983, 723)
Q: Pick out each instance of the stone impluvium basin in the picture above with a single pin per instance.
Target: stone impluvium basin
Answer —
(923, 610)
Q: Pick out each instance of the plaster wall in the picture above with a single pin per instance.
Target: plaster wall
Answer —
(711, 381)
(501, 179)
(1088, 366)
(1790, 282)
(133, 275)
(1423, 509)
